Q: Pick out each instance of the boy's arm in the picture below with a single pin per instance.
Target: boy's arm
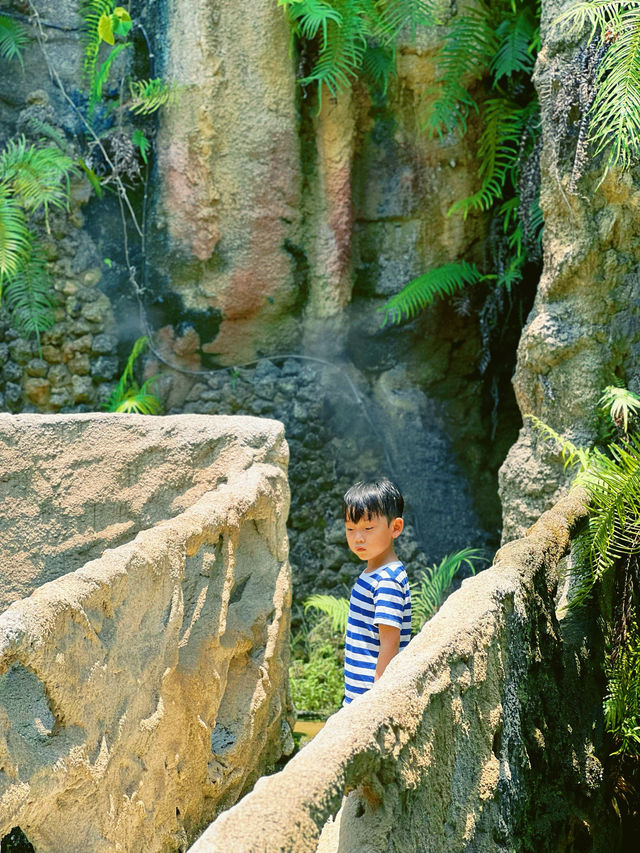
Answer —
(389, 645)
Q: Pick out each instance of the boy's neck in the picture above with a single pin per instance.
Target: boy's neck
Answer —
(381, 560)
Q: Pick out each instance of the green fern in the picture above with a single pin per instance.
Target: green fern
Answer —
(28, 297)
(352, 36)
(432, 586)
(36, 175)
(337, 609)
(517, 38)
(422, 291)
(13, 39)
(128, 396)
(498, 150)
(620, 404)
(92, 12)
(15, 238)
(614, 126)
(147, 96)
(465, 55)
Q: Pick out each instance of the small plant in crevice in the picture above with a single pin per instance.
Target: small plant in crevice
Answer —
(128, 395)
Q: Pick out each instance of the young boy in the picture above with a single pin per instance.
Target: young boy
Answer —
(379, 623)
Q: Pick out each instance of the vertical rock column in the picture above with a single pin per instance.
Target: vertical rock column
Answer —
(228, 169)
(584, 329)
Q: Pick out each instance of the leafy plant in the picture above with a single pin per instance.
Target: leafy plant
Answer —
(130, 397)
(32, 178)
(353, 36)
(422, 291)
(28, 296)
(433, 584)
(13, 39)
(337, 609)
(499, 41)
(317, 650)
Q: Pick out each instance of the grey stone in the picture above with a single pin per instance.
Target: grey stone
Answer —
(37, 367)
(12, 393)
(104, 368)
(12, 371)
(104, 344)
(21, 351)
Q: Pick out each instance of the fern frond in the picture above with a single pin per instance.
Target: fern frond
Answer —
(595, 13)
(467, 50)
(514, 54)
(13, 39)
(615, 113)
(378, 64)
(342, 53)
(100, 77)
(15, 238)
(613, 485)
(29, 298)
(312, 16)
(432, 585)
(417, 294)
(138, 401)
(498, 151)
(147, 96)
(571, 453)
(337, 609)
(398, 15)
(36, 175)
(619, 403)
(622, 701)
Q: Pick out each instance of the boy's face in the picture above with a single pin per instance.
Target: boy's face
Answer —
(372, 538)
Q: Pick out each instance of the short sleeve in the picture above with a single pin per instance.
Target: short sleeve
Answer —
(388, 602)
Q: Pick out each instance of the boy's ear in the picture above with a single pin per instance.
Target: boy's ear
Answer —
(397, 526)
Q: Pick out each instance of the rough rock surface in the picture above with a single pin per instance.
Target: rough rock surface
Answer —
(479, 737)
(145, 691)
(584, 330)
(74, 485)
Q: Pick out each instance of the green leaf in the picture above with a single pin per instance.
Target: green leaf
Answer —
(15, 238)
(121, 21)
(105, 28)
(94, 180)
(147, 96)
(140, 141)
(29, 298)
(13, 39)
(514, 51)
(422, 291)
(36, 175)
(336, 608)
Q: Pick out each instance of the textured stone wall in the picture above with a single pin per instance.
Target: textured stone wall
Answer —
(483, 735)
(146, 690)
(584, 330)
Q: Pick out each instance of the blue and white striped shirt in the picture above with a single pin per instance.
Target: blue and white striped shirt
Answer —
(380, 597)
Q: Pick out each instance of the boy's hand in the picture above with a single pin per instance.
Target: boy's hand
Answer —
(389, 645)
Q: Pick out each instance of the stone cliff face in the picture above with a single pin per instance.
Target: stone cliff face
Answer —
(584, 330)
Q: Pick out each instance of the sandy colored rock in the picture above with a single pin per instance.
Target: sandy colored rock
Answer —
(145, 691)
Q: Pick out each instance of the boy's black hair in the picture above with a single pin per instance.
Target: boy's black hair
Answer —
(379, 497)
